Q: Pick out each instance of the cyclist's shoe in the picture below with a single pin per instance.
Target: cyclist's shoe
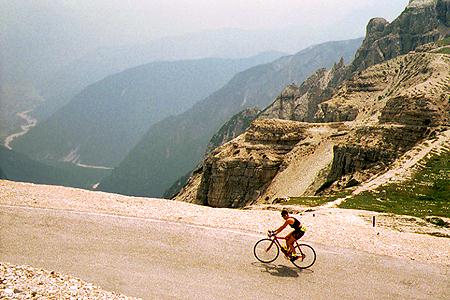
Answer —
(284, 250)
(294, 257)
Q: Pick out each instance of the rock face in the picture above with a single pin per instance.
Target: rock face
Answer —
(367, 115)
(408, 90)
(368, 150)
(422, 22)
(236, 173)
(231, 129)
(393, 106)
(176, 145)
(234, 127)
(300, 103)
(388, 108)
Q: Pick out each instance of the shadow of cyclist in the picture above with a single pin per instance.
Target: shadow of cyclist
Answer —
(279, 270)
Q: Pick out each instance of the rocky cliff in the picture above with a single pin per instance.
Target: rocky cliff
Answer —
(301, 103)
(387, 109)
(236, 173)
(230, 130)
(233, 128)
(422, 22)
(366, 115)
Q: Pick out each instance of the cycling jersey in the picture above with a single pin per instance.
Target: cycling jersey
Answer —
(298, 231)
(296, 225)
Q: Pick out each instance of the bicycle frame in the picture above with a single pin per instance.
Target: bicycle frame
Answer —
(275, 240)
(267, 250)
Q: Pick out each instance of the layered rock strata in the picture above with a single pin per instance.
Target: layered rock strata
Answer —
(234, 127)
(236, 173)
(288, 158)
(422, 22)
(381, 105)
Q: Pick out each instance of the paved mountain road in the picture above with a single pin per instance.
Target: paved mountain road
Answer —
(172, 260)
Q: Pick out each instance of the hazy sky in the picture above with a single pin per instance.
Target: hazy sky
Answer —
(136, 19)
(40, 33)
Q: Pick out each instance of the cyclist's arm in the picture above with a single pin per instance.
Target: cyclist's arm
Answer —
(277, 231)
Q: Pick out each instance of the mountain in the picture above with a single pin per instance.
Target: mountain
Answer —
(76, 75)
(48, 75)
(422, 22)
(172, 147)
(103, 122)
(18, 167)
(383, 121)
(343, 126)
(231, 129)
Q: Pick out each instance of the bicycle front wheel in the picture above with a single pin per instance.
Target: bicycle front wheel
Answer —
(307, 256)
(266, 250)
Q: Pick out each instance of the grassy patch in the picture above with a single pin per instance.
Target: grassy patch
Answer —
(426, 194)
(312, 201)
(444, 50)
(444, 42)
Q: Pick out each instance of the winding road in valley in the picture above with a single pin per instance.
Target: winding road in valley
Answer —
(30, 123)
(154, 259)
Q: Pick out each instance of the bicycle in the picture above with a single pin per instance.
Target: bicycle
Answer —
(267, 250)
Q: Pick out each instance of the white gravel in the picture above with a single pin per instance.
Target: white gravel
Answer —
(25, 282)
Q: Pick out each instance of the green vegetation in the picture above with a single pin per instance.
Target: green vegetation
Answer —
(311, 200)
(444, 42)
(444, 50)
(426, 194)
(316, 200)
(18, 167)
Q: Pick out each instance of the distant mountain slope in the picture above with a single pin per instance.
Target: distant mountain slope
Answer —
(231, 129)
(172, 147)
(18, 167)
(103, 122)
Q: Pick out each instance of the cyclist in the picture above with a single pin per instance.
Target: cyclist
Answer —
(291, 237)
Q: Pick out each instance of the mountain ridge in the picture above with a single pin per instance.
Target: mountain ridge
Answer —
(174, 146)
(126, 105)
(381, 111)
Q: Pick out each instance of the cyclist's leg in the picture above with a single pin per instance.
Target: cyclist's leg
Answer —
(298, 237)
(290, 240)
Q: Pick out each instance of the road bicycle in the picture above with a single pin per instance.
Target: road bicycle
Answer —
(267, 250)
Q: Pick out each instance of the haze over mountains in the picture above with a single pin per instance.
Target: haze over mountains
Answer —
(125, 105)
(175, 145)
(53, 49)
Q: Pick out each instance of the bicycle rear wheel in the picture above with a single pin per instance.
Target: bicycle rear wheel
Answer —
(307, 259)
(266, 250)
